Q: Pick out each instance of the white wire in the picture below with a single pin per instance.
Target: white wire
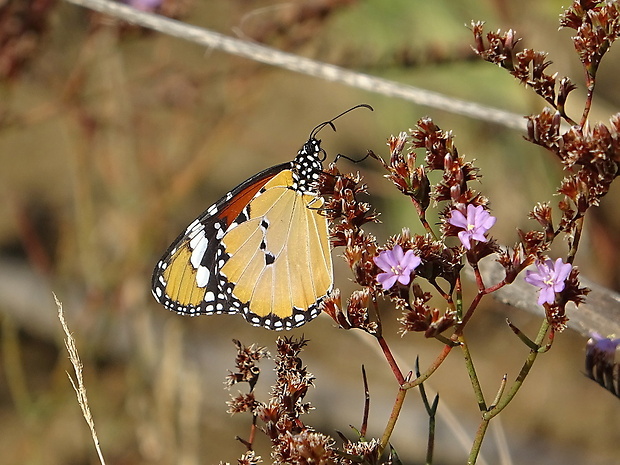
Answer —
(307, 66)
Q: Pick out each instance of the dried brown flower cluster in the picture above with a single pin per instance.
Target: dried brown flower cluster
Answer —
(590, 153)
(597, 26)
(347, 215)
(292, 441)
(286, 404)
(437, 260)
(527, 65)
(246, 363)
(247, 371)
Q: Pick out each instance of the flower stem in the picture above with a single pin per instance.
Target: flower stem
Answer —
(431, 369)
(471, 371)
(525, 369)
(576, 238)
(391, 360)
(431, 410)
(495, 287)
(389, 428)
(500, 404)
(478, 276)
(590, 72)
(364, 426)
(469, 313)
(459, 297)
(422, 216)
(475, 448)
(405, 386)
(591, 82)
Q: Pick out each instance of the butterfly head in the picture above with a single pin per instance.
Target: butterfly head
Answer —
(308, 164)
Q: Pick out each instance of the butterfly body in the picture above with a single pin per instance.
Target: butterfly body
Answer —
(262, 250)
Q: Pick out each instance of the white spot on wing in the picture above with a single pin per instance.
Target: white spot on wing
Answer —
(196, 231)
(191, 226)
(198, 251)
(196, 239)
(202, 276)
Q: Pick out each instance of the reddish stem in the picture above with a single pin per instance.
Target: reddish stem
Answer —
(494, 288)
(431, 369)
(469, 313)
(479, 280)
(391, 361)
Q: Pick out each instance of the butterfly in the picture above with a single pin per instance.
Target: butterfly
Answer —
(262, 250)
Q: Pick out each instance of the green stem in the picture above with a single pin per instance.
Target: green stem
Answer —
(389, 428)
(525, 369)
(431, 410)
(505, 400)
(473, 377)
(432, 420)
(402, 392)
(475, 448)
(459, 297)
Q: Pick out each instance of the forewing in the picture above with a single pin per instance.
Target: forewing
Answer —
(186, 279)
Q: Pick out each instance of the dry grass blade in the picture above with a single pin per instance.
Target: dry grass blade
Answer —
(78, 382)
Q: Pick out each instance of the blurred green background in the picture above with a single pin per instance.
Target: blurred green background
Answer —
(113, 139)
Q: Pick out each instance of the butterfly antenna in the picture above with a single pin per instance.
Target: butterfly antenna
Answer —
(330, 123)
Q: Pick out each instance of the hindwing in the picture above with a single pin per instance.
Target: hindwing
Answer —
(278, 264)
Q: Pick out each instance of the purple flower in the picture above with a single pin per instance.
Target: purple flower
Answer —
(475, 226)
(550, 278)
(398, 266)
(144, 5)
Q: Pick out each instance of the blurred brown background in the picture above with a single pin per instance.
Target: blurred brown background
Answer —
(112, 140)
